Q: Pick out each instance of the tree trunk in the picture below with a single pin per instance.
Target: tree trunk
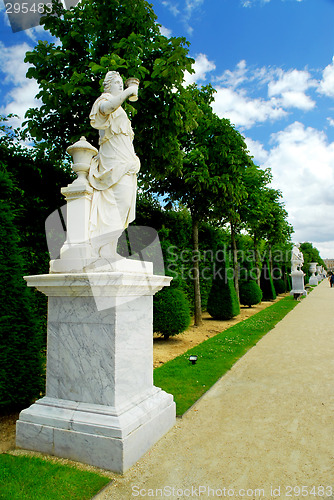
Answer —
(195, 274)
(270, 256)
(257, 260)
(235, 259)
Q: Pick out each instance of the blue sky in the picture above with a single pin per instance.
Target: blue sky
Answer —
(271, 62)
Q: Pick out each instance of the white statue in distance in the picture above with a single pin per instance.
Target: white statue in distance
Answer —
(297, 258)
(113, 172)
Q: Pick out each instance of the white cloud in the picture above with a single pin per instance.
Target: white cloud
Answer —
(11, 62)
(236, 77)
(21, 99)
(244, 111)
(23, 91)
(326, 248)
(165, 31)
(294, 99)
(249, 3)
(172, 7)
(290, 87)
(190, 6)
(202, 66)
(256, 149)
(302, 163)
(330, 121)
(286, 90)
(34, 33)
(326, 85)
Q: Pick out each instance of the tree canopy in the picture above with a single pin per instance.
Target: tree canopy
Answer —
(96, 37)
(214, 154)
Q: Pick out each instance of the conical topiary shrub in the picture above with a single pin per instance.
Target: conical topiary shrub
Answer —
(171, 312)
(266, 282)
(223, 301)
(21, 378)
(279, 286)
(249, 293)
(278, 279)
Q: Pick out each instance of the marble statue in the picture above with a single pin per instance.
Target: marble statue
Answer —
(113, 172)
(297, 275)
(297, 258)
(100, 405)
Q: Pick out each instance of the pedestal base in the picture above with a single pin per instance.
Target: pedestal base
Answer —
(298, 288)
(95, 434)
(101, 406)
(313, 281)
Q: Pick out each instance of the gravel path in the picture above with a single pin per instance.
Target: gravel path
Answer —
(263, 431)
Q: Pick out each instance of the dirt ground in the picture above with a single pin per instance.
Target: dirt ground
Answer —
(7, 431)
(163, 350)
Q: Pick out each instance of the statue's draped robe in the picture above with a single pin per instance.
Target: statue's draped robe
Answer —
(112, 174)
(297, 258)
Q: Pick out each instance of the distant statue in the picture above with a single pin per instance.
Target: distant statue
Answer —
(297, 258)
(113, 172)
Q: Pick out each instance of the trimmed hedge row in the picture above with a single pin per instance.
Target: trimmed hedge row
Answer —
(21, 378)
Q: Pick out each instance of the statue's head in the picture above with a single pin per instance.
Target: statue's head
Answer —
(113, 82)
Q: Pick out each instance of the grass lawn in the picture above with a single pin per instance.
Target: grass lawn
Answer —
(216, 356)
(32, 478)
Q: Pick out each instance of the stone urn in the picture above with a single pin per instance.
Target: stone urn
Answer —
(313, 279)
(313, 268)
(82, 153)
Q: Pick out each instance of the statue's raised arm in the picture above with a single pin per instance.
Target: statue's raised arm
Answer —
(113, 172)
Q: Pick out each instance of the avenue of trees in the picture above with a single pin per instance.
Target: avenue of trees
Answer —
(199, 186)
(190, 157)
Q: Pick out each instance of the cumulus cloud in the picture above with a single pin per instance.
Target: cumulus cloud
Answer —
(285, 90)
(250, 3)
(35, 32)
(190, 6)
(326, 248)
(257, 150)
(234, 78)
(244, 111)
(202, 66)
(326, 85)
(171, 6)
(21, 95)
(290, 87)
(165, 31)
(302, 162)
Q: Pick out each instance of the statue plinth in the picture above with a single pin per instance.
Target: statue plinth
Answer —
(297, 278)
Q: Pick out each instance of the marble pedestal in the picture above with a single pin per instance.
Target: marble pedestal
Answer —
(313, 281)
(297, 278)
(101, 406)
